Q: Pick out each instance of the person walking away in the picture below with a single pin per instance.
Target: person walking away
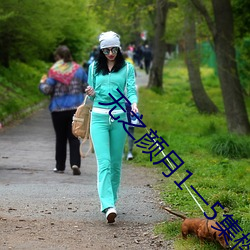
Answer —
(107, 74)
(139, 53)
(131, 129)
(147, 54)
(93, 55)
(65, 84)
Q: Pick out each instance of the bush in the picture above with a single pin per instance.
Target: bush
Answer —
(231, 146)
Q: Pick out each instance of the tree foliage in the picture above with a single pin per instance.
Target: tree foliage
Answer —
(126, 17)
(175, 25)
(241, 18)
(242, 34)
(32, 30)
(28, 33)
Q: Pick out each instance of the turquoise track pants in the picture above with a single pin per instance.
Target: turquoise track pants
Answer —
(108, 138)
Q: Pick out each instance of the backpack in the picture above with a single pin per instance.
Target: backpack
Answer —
(81, 126)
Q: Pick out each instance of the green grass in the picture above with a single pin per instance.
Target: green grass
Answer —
(218, 160)
(19, 87)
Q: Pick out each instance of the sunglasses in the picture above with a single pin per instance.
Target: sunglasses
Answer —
(106, 51)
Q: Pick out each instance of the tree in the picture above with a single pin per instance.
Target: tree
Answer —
(28, 33)
(223, 38)
(201, 99)
(159, 44)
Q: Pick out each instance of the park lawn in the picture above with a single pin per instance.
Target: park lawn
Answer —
(194, 137)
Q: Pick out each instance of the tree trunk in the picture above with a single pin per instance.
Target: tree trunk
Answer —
(159, 47)
(235, 109)
(201, 99)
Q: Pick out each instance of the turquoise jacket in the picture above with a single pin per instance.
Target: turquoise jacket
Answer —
(124, 80)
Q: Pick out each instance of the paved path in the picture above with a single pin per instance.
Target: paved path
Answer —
(30, 192)
(26, 163)
(141, 78)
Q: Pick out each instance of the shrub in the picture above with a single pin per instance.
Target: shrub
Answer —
(231, 146)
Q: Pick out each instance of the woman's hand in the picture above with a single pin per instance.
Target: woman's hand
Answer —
(134, 107)
(43, 79)
(90, 91)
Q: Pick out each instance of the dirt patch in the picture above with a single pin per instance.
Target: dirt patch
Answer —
(50, 234)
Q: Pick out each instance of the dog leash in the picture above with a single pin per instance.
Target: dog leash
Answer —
(198, 204)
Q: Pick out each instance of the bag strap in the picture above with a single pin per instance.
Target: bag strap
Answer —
(91, 148)
(85, 99)
(85, 139)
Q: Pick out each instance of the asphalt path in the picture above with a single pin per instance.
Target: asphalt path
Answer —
(30, 190)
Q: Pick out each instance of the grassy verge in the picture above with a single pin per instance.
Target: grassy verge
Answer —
(19, 88)
(220, 162)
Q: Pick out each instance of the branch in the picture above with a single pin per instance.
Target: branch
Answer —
(202, 9)
(164, 6)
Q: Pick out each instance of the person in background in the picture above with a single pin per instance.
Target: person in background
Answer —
(65, 84)
(138, 52)
(92, 56)
(130, 51)
(131, 129)
(106, 74)
(128, 58)
(147, 54)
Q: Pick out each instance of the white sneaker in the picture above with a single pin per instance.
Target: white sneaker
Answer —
(111, 214)
(129, 156)
(58, 171)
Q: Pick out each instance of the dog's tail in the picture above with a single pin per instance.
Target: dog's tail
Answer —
(175, 213)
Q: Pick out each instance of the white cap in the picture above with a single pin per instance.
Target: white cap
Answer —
(109, 39)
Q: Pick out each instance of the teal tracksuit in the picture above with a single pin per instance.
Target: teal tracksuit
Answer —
(108, 135)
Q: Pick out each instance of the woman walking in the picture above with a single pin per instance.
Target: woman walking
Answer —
(107, 74)
(65, 84)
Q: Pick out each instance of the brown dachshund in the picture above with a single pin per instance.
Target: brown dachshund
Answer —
(200, 227)
(205, 231)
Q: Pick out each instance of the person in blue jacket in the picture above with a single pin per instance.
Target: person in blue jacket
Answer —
(107, 74)
(65, 83)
